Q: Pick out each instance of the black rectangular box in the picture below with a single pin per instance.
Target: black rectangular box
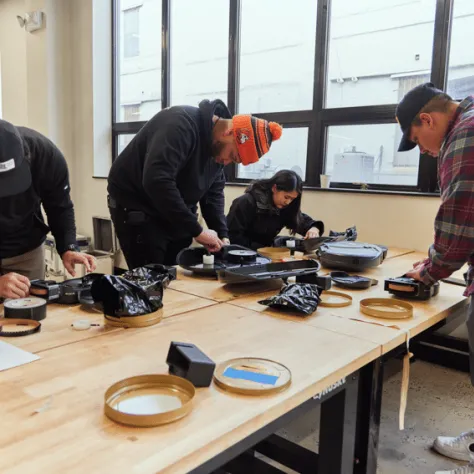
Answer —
(187, 361)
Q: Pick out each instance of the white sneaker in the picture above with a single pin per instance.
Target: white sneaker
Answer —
(455, 448)
(469, 469)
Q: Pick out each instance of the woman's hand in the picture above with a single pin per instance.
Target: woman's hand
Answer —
(312, 233)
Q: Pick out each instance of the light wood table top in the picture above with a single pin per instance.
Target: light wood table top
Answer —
(394, 252)
(350, 321)
(325, 318)
(213, 289)
(74, 436)
(56, 328)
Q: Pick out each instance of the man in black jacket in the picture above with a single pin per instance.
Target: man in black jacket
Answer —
(33, 172)
(173, 163)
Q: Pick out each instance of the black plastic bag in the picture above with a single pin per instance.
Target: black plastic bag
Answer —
(150, 275)
(301, 297)
(349, 234)
(135, 293)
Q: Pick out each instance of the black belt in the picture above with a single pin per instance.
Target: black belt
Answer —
(131, 216)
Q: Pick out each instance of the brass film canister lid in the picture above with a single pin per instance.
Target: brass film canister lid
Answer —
(149, 400)
(274, 253)
(135, 321)
(335, 299)
(252, 376)
(386, 308)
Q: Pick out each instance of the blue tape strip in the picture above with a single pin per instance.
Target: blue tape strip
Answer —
(251, 376)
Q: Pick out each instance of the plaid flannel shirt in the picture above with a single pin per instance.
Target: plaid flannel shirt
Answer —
(454, 225)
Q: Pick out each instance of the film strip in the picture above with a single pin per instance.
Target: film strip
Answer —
(31, 308)
(18, 327)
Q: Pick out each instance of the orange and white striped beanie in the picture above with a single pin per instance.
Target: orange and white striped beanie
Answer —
(254, 137)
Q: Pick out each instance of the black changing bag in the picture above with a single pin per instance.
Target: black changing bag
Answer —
(351, 256)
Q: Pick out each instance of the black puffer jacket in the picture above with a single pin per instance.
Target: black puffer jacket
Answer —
(254, 221)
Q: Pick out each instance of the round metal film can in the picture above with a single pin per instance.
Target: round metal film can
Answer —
(25, 308)
(386, 308)
(149, 400)
(252, 376)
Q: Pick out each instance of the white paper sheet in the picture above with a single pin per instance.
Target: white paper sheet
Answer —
(11, 356)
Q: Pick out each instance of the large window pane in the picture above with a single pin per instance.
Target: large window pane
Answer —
(139, 59)
(123, 141)
(131, 31)
(287, 153)
(199, 50)
(378, 50)
(277, 55)
(368, 154)
(461, 57)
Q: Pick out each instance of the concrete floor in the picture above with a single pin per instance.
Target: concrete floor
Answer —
(440, 402)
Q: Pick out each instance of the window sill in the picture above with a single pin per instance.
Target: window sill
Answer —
(357, 191)
(373, 191)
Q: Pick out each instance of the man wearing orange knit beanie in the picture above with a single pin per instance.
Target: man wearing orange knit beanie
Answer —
(175, 162)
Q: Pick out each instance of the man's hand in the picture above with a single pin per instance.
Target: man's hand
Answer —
(312, 233)
(70, 259)
(13, 285)
(225, 241)
(210, 240)
(416, 272)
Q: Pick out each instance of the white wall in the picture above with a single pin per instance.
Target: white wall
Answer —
(90, 109)
(13, 64)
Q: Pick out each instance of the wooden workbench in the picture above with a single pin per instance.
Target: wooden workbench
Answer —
(394, 252)
(349, 320)
(56, 329)
(74, 436)
(76, 367)
(211, 288)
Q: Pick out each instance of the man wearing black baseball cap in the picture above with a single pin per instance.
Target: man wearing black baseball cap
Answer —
(444, 128)
(33, 172)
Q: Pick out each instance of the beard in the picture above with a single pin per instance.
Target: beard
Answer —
(217, 148)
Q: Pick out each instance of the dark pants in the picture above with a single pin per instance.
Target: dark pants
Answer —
(143, 240)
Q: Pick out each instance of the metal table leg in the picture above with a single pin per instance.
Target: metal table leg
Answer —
(368, 420)
(338, 430)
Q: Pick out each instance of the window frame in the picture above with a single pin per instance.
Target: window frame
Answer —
(317, 119)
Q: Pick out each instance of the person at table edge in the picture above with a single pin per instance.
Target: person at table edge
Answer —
(33, 172)
(173, 163)
(269, 205)
(444, 128)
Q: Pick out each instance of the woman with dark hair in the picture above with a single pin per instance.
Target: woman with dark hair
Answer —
(269, 205)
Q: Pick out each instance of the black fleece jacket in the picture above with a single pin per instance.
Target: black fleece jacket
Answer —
(167, 169)
(254, 221)
(22, 227)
